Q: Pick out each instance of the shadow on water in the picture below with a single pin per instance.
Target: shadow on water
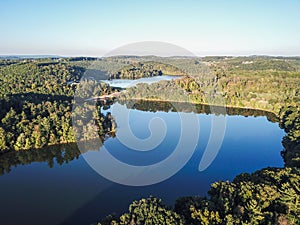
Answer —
(65, 153)
(111, 197)
(164, 106)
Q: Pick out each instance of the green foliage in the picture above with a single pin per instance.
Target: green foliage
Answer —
(147, 212)
(36, 104)
(268, 196)
(146, 69)
(260, 83)
(290, 122)
(205, 216)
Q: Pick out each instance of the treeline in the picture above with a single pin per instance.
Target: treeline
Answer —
(146, 69)
(193, 66)
(40, 78)
(162, 90)
(261, 63)
(290, 122)
(63, 153)
(36, 108)
(35, 125)
(266, 90)
(166, 106)
(267, 196)
(36, 105)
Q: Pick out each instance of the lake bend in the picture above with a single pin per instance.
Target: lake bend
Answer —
(58, 186)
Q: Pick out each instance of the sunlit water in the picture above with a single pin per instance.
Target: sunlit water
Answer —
(74, 193)
(125, 83)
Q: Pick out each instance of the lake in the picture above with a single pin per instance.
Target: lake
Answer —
(125, 83)
(57, 185)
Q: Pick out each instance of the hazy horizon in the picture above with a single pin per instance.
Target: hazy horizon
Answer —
(124, 55)
(205, 28)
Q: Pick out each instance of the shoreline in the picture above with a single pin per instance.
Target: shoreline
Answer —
(206, 104)
(153, 100)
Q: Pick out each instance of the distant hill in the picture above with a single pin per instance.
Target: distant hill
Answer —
(30, 56)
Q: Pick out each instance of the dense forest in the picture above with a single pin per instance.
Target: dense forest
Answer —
(64, 153)
(37, 109)
(146, 69)
(266, 84)
(36, 104)
(268, 196)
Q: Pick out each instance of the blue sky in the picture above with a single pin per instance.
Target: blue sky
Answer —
(205, 27)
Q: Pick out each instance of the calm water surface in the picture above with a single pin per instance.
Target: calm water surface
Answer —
(125, 83)
(73, 193)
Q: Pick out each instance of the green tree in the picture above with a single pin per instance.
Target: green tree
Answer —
(3, 144)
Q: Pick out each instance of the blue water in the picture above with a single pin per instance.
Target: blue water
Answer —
(74, 193)
(125, 83)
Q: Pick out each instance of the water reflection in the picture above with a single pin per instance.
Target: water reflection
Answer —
(155, 106)
(125, 83)
(63, 154)
(72, 193)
